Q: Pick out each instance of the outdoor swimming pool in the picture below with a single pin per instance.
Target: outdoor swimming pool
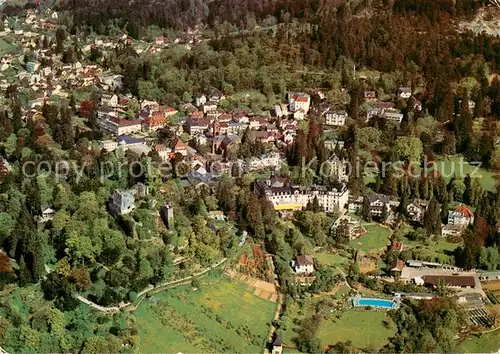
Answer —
(380, 303)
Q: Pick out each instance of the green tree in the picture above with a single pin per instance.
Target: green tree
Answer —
(409, 148)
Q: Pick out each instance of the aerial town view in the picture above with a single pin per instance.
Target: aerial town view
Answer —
(249, 176)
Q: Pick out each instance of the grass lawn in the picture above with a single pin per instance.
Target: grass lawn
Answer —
(458, 166)
(376, 237)
(331, 259)
(365, 329)
(486, 343)
(220, 317)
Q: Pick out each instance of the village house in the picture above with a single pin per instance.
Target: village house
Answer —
(215, 95)
(404, 93)
(303, 264)
(153, 123)
(370, 96)
(377, 204)
(416, 210)
(150, 105)
(108, 145)
(235, 128)
(241, 116)
(47, 213)
(396, 246)
(109, 100)
(179, 148)
(163, 151)
(346, 228)
(277, 346)
(217, 215)
(210, 106)
(452, 230)
(396, 268)
(299, 100)
(200, 100)
(460, 216)
(331, 144)
(393, 115)
(167, 111)
(196, 125)
(256, 123)
(161, 40)
(338, 168)
(335, 118)
(105, 113)
(373, 112)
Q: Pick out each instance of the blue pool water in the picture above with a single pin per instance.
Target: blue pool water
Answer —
(386, 304)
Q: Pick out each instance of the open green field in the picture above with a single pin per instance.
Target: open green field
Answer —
(366, 329)
(220, 317)
(331, 259)
(457, 165)
(486, 343)
(376, 237)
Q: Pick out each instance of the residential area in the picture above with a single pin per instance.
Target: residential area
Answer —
(225, 177)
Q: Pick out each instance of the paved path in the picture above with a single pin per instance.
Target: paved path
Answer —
(160, 287)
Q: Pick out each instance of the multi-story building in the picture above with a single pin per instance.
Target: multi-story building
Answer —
(154, 123)
(303, 264)
(299, 100)
(393, 115)
(108, 145)
(461, 216)
(119, 126)
(336, 118)
(284, 195)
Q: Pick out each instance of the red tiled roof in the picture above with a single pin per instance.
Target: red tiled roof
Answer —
(398, 264)
(179, 145)
(466, 212)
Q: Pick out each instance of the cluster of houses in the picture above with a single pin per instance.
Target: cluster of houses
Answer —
(386, 110)
(458, 218)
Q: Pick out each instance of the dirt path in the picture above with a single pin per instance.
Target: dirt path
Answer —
(114, 309)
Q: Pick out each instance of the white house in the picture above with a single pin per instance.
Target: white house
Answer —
(393, 115)
(209, 106)
(303, 264)
(461, 216)
(404, 92)
(299, 100)
(416, 210)
(119, 127)
(108, 145)
(336, 118)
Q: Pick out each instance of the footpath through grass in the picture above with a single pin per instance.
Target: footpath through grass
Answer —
(220, 317)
